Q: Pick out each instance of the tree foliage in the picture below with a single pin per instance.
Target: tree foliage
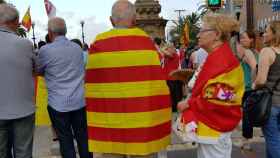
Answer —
(193, 21)
(21, 32)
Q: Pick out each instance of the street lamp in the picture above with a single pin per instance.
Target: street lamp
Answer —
(34, 42)
(83, 34)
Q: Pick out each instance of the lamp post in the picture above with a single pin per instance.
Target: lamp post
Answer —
(250, 14)
(179, 12)
(33, 38)
(83, 34)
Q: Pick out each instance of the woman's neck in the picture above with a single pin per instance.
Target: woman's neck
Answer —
(214, 46)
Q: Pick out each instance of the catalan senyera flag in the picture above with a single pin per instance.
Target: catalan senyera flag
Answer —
(216, 98)
(128, 104)
(26, 21)
(185, 38)
(41, 100)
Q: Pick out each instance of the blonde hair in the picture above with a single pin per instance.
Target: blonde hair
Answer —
(275, 28)
(222, 23)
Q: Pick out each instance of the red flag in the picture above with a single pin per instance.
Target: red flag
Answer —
(185, 38)
(26, 21)
(50, 8)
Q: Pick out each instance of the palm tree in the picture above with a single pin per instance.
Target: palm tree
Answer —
(203, 8)
(2, 1)
(193, 21)
(21, 32)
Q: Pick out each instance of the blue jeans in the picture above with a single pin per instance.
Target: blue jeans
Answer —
(271, 132)
(66, 122)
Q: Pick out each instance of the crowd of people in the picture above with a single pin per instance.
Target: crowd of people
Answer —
(116, 97)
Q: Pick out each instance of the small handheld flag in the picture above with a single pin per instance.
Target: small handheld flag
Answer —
(26, 21)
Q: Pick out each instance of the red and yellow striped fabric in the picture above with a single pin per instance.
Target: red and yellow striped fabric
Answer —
(128, 106)
(41, 100)
(217, 94)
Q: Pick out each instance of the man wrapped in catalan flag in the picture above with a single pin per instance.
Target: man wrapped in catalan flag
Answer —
(128, 105)
(214, 109)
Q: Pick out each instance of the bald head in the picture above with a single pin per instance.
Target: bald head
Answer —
(9, 16)
(57, 26)
(123, 13)
(8, 13)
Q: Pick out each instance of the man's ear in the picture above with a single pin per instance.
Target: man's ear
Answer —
(50, 35)
(134, 21)
(112, 21)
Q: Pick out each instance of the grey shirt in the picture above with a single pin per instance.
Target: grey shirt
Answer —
(272, 77)
(16, 81)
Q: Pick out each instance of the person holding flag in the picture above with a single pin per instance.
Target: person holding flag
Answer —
(61, 64)
(128, 105)
(214, 109)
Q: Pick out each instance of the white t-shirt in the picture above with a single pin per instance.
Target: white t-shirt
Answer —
(200, 56)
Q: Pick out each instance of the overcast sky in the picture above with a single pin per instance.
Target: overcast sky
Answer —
(95, 13)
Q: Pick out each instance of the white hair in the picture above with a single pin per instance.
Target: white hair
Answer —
(57, 25)
(8, 13)
(123, 10)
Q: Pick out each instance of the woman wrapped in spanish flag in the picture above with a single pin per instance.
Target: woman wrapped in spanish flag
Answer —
(214, 109)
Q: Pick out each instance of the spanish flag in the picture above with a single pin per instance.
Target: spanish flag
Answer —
(26, 21)
(185, 37)
(128, 105)
(216, 97)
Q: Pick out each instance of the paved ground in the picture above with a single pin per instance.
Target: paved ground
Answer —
(45, 148)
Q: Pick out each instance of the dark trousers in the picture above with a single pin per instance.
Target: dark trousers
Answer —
(67, 124)
(176, 92)
(247, 127)
(17, 133)
(10, 143)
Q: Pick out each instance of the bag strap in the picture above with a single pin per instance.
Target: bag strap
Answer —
(278, 80)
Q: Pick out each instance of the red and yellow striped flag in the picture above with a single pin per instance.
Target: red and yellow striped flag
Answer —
(185, 37)
(128, 106)
(26, 21)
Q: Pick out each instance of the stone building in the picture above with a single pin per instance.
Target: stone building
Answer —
(261, 14)
(148, 18)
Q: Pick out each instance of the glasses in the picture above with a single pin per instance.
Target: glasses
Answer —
(206, 30)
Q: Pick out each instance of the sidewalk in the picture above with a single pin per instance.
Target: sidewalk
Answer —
(44, 147)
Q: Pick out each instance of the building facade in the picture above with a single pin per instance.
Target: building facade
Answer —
(264, 14)
(261, 14)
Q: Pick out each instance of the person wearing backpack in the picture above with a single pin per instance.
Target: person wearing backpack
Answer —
(249, 65)
(268, 74)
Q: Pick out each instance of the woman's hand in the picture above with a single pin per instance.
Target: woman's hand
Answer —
(182, 105)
